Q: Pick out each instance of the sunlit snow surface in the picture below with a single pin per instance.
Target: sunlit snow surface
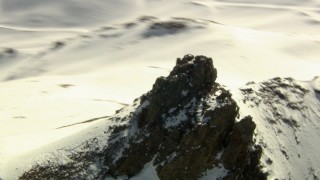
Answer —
(287, 129)
(74, 61)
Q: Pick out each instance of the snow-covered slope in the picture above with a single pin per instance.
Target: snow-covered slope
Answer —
(182, 127)
(73, 61)
(287, 113)
(64, 13)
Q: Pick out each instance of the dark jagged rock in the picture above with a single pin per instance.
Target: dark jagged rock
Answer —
(192, 77)
(240, 156)
(236, 153)
(182, 126)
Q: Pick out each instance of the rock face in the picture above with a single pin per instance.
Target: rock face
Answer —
(185, 126)
(235, 154)
(192, 77)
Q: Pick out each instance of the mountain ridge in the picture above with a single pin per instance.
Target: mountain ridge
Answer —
(181, 125)
(172, 131)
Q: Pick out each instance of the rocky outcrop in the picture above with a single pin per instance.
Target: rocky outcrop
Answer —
(235, 154)
(185, 126)
(192, 77)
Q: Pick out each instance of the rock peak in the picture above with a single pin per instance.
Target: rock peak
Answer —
(192, 77)
(200, 70)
